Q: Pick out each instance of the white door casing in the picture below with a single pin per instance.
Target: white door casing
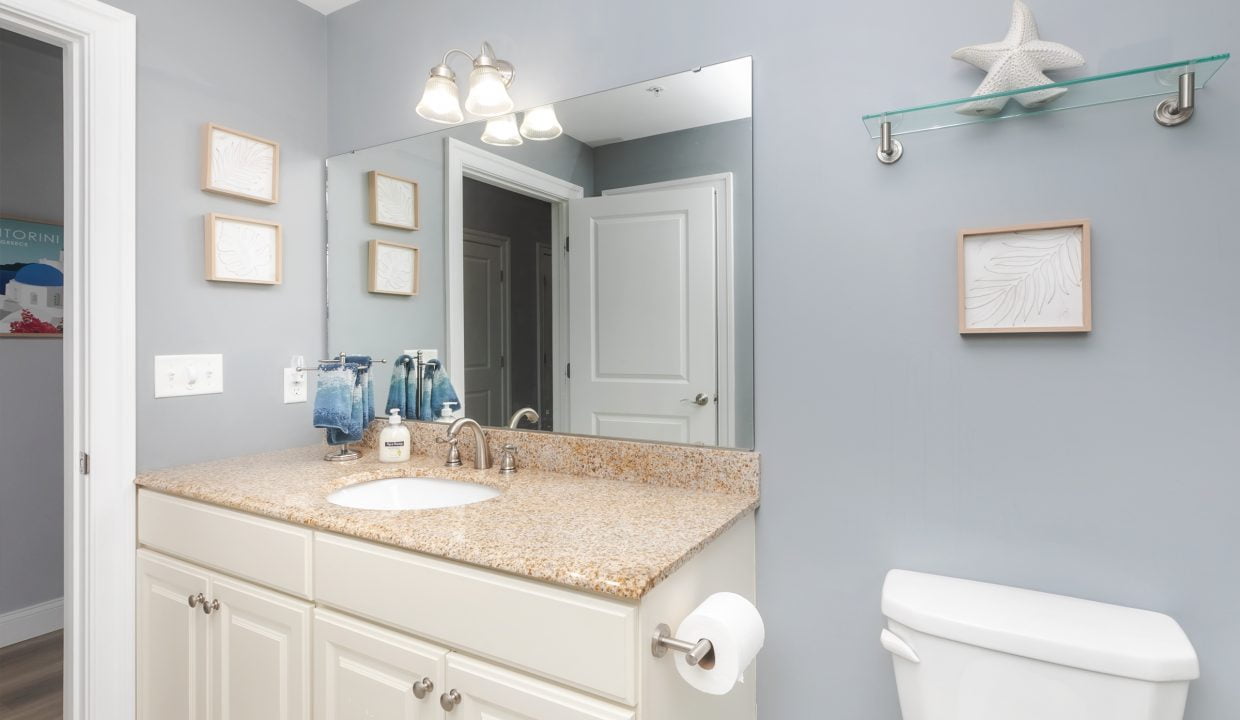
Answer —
(725, 288)
(100, 79)
(642, 324)
(485, 275)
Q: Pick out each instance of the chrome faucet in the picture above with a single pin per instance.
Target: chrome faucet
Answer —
(482, 454)
(525, 413)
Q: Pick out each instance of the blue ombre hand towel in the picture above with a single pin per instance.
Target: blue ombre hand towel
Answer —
(363, 363)
(344, 400)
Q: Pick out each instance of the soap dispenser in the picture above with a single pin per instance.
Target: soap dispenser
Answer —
(395, 440)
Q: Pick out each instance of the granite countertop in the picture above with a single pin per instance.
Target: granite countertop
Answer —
(607, 536)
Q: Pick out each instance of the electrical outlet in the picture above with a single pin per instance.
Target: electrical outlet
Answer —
(431, 354)
(178, 375)
(294, 385)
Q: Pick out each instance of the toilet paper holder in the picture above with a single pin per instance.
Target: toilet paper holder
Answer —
(700, 653)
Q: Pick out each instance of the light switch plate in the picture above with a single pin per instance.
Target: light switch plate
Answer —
(178, 375)
(294, 386)
(427, 354)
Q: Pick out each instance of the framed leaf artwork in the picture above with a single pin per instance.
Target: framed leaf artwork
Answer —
(393, 268)
(243, 250)
(241, 165)
(1025, 279)
(393, 201)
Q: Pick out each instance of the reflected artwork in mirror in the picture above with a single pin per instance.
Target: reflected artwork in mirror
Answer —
(591, 259)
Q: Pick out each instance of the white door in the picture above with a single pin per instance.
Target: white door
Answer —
(172, 639)
(260, 664)
(488, 692)
(486, 323)
(363, 671)
(642, 326)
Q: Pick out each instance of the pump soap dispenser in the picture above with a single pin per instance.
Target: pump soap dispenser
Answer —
(395, 440)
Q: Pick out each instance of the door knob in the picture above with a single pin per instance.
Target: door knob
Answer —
(700, 399)
(449, 700)
(423, 687)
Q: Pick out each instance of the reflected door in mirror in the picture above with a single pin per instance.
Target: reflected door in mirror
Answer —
(486, 327)
(642, 318)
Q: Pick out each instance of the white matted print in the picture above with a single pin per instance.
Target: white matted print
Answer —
(393, 201)
(393, 268)
(1024, 279)
(243, 250)
(239, 164)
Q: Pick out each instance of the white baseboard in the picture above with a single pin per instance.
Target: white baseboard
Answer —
(33, 621)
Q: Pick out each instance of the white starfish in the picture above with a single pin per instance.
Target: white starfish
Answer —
(1017, 61)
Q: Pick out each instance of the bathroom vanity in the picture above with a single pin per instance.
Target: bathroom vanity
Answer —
(258, 598)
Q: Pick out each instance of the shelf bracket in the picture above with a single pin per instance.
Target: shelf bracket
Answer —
(1179, 109)
(889, 149)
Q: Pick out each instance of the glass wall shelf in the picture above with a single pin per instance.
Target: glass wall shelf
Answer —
(1075, 93)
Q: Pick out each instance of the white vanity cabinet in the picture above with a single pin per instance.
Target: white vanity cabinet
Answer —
(246, 618)
(215, 647)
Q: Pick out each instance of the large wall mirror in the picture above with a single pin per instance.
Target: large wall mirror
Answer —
(602, 277)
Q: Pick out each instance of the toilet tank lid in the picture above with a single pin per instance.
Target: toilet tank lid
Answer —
(1084, 634)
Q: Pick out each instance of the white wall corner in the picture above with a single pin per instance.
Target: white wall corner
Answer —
(31, 622)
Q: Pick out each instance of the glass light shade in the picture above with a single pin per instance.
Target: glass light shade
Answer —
(541, 123)
(440, 101)
(487, 95)
(502, 131)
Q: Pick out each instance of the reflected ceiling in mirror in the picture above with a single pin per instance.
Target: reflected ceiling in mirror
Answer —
(601, 277)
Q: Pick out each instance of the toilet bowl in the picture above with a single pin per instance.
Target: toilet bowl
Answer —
(966, 650)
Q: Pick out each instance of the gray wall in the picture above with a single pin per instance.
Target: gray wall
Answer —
(257, 67)
(1105, 465)
(722, 147)
(31, 411)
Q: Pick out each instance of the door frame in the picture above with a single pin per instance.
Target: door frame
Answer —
(504, 243)
(725, 291)
(463, 160)
(100, 109)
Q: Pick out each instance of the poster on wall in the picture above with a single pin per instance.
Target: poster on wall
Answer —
(32, 279)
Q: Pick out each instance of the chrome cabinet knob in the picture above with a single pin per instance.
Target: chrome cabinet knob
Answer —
(699, 399)
(423, 687)
(208, 608)
(449, 700)
(196, 600)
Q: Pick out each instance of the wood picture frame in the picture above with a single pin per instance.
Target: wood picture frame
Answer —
(394, 268)
(243, 250)
(241, 165)
(394, 201)
(1025, 279)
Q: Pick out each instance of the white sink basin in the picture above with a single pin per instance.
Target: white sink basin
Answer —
(410, 493)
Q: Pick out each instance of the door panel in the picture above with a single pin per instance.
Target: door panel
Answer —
(493, 693)
(485, 386)
(261, 654)
(642, 319)
(363, 671)
(172, 640)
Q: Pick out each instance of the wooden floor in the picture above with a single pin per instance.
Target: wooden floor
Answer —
(30, 678)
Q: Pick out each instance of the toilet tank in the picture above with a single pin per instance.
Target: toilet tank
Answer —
(966, 650)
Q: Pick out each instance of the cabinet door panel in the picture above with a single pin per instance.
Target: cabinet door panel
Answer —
(364, 672)
(260, 654)
(489, 692)
(172, 640)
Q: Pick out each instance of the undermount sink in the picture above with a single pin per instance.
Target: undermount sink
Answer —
(410, 493)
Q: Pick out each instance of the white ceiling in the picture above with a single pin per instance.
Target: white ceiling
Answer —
(327, 7)
(713, 94)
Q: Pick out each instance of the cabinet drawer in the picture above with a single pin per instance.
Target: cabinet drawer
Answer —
(578, 639)
(492, 693)
(267, 552)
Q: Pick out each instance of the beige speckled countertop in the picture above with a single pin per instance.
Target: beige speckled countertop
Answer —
(609, 536)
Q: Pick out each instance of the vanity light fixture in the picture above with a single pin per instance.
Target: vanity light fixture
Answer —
(502, 131)
(540, 123)
(488, 88)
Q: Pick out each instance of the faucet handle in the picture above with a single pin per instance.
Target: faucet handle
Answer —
(508, 460)
(454, 452)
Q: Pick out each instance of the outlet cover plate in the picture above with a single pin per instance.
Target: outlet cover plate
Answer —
(180, 375)
(294, 386)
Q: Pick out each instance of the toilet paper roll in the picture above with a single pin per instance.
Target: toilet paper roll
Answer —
(734, 628)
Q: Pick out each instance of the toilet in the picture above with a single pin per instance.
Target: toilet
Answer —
(966, 650)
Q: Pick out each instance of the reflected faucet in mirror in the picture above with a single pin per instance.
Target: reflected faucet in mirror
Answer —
(526, 413)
